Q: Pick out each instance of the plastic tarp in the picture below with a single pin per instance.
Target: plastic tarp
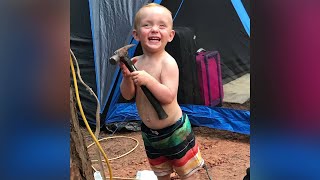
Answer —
(111, 26)
(212, 117)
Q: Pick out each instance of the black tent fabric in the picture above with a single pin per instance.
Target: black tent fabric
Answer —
(217, 27)
(211, 34)
(98, 28)
(246, 4)
(82, 46)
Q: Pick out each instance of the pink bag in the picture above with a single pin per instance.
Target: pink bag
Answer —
(209, 77)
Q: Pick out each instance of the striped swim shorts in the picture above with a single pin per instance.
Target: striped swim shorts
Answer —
(172, 148)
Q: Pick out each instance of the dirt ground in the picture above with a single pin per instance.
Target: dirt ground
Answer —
(226, 154)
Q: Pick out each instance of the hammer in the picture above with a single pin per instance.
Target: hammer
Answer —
(122, 55)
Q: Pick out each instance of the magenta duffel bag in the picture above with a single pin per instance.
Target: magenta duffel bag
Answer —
(209, 77)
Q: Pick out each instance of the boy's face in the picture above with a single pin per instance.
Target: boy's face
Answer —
(154, 29)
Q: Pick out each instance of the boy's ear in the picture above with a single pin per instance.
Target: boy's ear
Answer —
(135, 34)
(171, 35)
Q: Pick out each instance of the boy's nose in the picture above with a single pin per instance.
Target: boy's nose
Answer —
(155, 29)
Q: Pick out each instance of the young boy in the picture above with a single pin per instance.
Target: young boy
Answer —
(170, 143)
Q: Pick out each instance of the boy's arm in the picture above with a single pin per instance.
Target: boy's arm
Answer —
(127, 88)
(167, 90)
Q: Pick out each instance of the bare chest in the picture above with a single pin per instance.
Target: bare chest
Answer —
(153, 69)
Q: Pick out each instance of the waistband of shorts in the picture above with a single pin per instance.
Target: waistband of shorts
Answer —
(165, 130)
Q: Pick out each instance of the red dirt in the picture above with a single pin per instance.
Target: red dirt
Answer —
(226, 154)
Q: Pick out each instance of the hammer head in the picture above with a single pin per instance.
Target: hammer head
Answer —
(120, 53)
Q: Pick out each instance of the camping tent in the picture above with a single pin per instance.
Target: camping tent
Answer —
(98, 28)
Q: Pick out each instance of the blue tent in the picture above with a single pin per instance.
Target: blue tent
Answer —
(98, 28)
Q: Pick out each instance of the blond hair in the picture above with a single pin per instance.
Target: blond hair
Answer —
(137, 18)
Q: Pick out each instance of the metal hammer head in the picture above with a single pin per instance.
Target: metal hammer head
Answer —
(120, 53)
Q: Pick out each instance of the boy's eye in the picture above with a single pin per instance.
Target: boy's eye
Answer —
(162, 26)
(146, 25)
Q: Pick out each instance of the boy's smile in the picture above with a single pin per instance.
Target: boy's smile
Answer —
(154, 39)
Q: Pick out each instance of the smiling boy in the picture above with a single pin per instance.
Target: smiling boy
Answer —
(169, 143)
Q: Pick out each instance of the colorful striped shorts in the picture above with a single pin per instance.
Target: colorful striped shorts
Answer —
(172, 148)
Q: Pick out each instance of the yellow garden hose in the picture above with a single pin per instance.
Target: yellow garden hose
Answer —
(85, 119)
(97, 131)
(89, 129)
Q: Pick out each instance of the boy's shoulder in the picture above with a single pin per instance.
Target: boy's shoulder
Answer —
(169, 59)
